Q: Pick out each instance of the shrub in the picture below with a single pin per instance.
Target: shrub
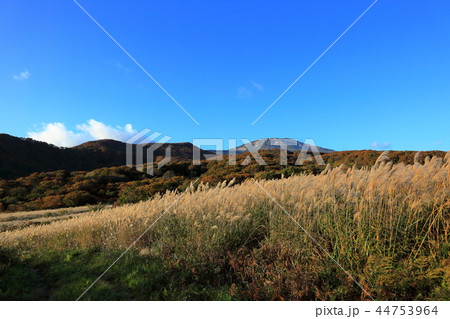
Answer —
(267, 175)
(78, 198)
(132, 194)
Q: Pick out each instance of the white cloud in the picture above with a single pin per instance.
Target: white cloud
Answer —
(57, 133)
(122, 67)
(258, 86)
(25, 75)
(380, 146)
(99, 131)
(244, 93)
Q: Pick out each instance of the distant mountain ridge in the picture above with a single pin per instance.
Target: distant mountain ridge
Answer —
(292, 145)
(23, 156)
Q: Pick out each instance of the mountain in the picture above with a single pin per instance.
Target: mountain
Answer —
(179, 151)
(23, 156)
(276, 144)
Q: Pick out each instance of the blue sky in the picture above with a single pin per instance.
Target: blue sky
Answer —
(385, 84)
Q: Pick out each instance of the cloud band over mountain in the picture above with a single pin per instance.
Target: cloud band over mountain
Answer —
(57, 133)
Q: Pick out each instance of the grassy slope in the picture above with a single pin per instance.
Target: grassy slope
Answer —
(125, 185)
(387, 226)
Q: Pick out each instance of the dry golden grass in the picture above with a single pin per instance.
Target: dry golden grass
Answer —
(20, 220)
(386, 199)
(388, 225)
(25, 215)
